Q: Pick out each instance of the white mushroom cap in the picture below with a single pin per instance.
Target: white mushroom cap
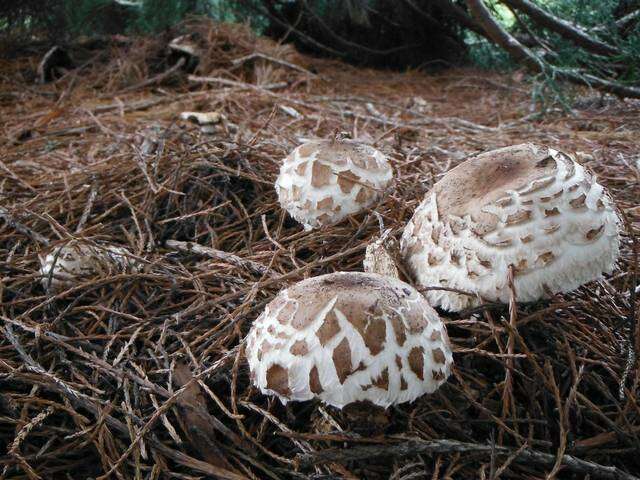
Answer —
(206, 120)
(186, 48)
(526, 205)
(75, 261)
(184, 44)
(321, 182)
(348, 337)
(202, 118)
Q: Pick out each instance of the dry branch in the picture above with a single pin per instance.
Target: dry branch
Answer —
(416, 447)
(262, 56)
(460, 15)
(220, 255)
(501, 37)
(19, 227)
(562, 27)
(157, 79)
(198, 423)
(526, 57)
(85, 402)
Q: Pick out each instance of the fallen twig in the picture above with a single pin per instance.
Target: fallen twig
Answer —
(253, 56)
(416, 447)
(220, 255)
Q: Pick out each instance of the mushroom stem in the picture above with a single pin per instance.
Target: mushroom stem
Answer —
(381, 254)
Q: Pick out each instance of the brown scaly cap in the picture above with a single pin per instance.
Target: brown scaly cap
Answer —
(480, 181)
(323, 181)
(347, 337)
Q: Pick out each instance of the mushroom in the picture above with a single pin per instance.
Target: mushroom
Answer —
(349, 337)
(184, 49)
(206, 120)
(381, 255)
(67, 265)
(526, 207)
(323, 181)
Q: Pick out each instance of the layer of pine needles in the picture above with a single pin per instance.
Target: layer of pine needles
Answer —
(141, 375)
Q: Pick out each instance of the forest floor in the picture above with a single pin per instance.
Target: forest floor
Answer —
(98, 379)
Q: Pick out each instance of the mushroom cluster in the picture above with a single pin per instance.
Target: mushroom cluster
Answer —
(526, 207)
(349, 337)
(68, 265)
(322, 182)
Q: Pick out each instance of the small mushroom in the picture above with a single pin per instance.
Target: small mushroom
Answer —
(381, 255)
(185, 49)
(322, 182)
(206, 120)
(150, 140)
(70, 264)
(349, 337)
(526, 207)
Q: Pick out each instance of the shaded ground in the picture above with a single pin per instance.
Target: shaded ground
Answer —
(101, 154)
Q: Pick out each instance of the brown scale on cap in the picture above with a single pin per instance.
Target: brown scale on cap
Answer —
(416, 361)
(329, 329)
(369, 324)
(403, 383)
(593, 233)
(579, 202)
(340, 152)
(364, 194)
(347, 181)
(342, 360)
(366, 334)
(301, 169)
(399, 330)
(285, 310)
(314, 381)
(300, 348)
(307, 150)
(438, 356)
(399, 362)
(320, 175)
(383, 380)
(278, 379)
(325, 203)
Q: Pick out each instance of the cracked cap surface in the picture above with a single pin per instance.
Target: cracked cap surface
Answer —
(348, 337)
(526, 206)
(323, 181)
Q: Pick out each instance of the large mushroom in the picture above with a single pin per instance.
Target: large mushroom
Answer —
(322, 182)
(526, 207)
(69, 264)
(349, 337)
